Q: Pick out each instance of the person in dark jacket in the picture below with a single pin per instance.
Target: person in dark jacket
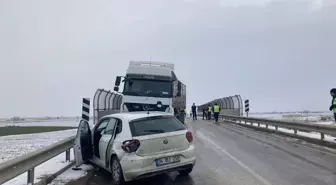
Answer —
(204, 110)
(333, 102)
(193, 109)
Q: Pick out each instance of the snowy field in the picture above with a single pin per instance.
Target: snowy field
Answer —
(13, 146)
(16, 145)
(43, 123)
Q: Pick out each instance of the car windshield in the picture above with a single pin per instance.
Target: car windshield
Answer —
(154, 88)
(155, 125)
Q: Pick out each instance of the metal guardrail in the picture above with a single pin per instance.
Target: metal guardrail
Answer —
(27, 163)
(295, 126)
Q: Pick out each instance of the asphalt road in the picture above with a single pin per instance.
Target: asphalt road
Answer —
(233, 155)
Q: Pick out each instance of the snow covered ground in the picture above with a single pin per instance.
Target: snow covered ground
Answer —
(66, 123)
(44, 169)
(71, 175)
(13, 146)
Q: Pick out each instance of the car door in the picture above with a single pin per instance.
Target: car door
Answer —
(105, 139)
(109, 149)
(98, 132)
(83, 143)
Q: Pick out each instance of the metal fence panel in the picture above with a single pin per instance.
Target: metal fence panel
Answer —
(232, 105)
(104, 103)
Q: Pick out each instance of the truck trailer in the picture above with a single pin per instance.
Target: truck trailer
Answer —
(152, 86)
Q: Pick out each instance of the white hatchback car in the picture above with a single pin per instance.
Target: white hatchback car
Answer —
(136, 145)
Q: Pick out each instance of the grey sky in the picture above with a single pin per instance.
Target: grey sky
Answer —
(280, 54)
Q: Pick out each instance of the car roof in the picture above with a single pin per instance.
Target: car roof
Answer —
(137, 115)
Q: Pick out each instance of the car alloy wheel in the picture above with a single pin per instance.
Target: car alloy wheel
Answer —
(117, 175)
(116, 170)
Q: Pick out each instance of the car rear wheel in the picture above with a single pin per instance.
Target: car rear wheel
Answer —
(185, 172)
(117, 174)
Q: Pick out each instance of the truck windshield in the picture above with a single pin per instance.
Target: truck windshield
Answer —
(153, 88)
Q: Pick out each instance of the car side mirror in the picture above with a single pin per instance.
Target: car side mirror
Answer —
(117, 82)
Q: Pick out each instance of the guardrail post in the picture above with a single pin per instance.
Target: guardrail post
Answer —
(258, 124)
(276, 127)
(30, 177)
(67, 155)
(266, 125)
(295, 131)
(322, 136)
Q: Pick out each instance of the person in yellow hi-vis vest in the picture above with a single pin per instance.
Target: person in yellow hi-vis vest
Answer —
(333, 102)
(216, 111)
(209, 112)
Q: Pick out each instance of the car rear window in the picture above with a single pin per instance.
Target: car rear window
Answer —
(155, 125)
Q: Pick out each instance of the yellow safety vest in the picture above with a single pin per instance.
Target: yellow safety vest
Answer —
(216, 108)
(209, 109)
(334, 103)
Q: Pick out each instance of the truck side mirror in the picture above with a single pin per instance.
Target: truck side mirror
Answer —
(116, 88)
(117, 82)
(179, 88)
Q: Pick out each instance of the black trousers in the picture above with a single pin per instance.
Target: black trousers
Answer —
(205, 115)
(335, 116)
(216, 115)
(194, 115)
(209, 115)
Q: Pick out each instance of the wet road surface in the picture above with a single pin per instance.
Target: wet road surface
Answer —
(231, 155)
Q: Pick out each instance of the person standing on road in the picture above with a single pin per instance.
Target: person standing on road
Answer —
(209, 112)
(333, 102)
(204, 110)
(216, 111)
(193, 109)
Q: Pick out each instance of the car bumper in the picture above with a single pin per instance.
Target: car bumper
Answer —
(137, 167)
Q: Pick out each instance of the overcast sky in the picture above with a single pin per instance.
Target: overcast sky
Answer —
(280, 54)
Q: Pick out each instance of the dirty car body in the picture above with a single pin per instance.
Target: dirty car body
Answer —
(136, 145)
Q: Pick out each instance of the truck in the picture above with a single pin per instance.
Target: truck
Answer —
(152, 86)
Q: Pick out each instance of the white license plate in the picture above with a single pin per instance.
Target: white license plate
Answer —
(167, 160)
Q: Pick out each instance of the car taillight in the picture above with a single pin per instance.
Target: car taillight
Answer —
(189, 136)
(130, 146)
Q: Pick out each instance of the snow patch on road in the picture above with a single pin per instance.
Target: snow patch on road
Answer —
(71, 175)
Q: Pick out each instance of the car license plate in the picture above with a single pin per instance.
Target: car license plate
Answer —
(167, 160)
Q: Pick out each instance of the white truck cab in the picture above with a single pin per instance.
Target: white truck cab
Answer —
(152, 86)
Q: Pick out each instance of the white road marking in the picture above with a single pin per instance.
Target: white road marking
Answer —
(241, 164)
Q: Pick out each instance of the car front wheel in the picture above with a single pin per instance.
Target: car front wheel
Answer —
(117, 174)
(185, 172)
